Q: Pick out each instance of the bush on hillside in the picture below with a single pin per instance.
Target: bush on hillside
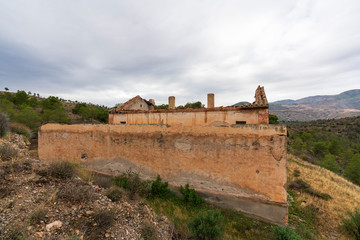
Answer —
(352, 170)
(51, 103)
(99, 222)
(207, 225)
(33, 102)
(351, 225)
(330, 163)
(4, 124)
(75, 192)
(320, 149)
(96, 113)
(159, 189)
(20, 98)
(129, 181)
(190, 196)
(8, 152)
(21, 129)
(58, 115)
(114, 193)
(37, 216)
(7, 107)
(28, 116)
(285, 233)
(62, 170)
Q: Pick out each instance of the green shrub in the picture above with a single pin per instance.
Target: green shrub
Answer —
(330, 163)
(120, 181)
(197, 104)
(351, 225)
(58, 115)
(8, 152)
(28, 116)
(148, 231)
(21, 129)
(20, 98)
(296, 173)
(98, 113)
(159, 189)
(7, 107)
(38, 215)
(190, 196)
(62, 170)
(207, 225)
(114, 193)
(273, 119)
(129, 181)
(352, 170)
(285, 233)
(4, 124)
(51, 103)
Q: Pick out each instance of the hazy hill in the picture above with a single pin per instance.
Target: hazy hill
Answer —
(346, 104)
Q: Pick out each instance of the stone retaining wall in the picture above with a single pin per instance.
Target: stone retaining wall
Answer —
(240, 167)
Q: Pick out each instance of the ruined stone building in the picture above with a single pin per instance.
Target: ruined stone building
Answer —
(230, 155)
(137, 103)
(140, 111)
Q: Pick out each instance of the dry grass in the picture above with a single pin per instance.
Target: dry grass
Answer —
(346, 195)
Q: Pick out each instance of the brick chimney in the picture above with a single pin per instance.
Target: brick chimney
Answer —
(210, 100)
(171, 102)
(152, 101)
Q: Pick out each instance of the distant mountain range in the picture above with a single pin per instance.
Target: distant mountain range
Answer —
(346, 104)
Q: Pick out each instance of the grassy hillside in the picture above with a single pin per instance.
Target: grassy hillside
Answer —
(333, 144)
(345, 196)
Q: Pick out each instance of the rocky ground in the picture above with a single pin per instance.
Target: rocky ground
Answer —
(35, 205)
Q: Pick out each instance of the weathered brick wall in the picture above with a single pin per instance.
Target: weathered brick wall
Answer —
(192, 117)
(241, 167)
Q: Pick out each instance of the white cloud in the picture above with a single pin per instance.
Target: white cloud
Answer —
(108, 51)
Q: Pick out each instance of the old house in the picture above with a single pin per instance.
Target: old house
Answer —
(140, 111)
(137, 103)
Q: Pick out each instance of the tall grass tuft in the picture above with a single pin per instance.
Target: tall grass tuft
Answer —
(207, 225)
(4, 124)
(8, 152)
(62, 170)
(351, 225)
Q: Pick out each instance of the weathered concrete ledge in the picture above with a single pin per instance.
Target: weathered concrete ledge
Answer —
(242, 167)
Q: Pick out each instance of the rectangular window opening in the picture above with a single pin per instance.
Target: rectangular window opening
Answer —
(240, 122)
(122, 122)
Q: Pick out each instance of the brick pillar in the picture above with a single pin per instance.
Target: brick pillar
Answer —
(210, 100)
(171, 102)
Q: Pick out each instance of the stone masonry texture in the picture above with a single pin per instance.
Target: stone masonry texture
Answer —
(242, 167)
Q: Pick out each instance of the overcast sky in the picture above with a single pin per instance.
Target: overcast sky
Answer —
(107, 51)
